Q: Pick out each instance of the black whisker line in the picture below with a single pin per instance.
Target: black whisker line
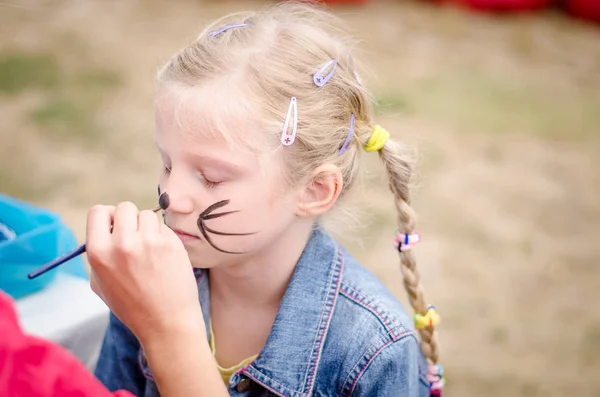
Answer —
(207, 215)
(220, 214)
(209, 241)
(204, 234)
(213, 207)
(223, 233)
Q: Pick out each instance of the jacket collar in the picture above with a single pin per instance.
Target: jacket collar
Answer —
(287, 364)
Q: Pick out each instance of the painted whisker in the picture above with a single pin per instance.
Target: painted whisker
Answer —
(205, 230)
(209, 241)
(220, 214)
(225, 234)
(212, 207)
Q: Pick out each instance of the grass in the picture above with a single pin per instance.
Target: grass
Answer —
(98, 79)
(67, 111)
(18, 173)
(63, 114)
(65, 120)
(69, 101)
(62, 111)
(20, 71)
(483, 101)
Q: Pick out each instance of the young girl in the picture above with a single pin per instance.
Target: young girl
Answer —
(261, 124)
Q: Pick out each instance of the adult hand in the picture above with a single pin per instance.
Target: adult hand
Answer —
(141, 270)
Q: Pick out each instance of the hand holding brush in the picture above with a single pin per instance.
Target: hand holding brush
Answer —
(64, 258)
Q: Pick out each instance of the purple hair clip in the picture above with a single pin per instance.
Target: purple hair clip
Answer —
(292, 115)
(349, 137)
(225, 28)
(318, 77)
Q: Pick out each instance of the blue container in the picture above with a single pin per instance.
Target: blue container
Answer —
(39, 236)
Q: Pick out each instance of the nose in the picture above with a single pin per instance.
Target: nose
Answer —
(180, 200)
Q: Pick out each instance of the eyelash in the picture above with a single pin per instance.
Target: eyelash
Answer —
(209, 184)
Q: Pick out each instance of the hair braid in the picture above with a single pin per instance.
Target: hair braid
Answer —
(399, 171)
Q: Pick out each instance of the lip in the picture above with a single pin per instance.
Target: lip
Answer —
(185, 237)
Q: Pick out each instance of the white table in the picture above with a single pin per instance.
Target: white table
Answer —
(69, 313)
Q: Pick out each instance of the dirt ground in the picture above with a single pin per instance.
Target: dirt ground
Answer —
(504, 112)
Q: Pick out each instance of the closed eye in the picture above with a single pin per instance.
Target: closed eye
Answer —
(210, 184)
(207, 182)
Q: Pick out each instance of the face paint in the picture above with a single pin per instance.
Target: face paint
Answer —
(207, 215)
(164, 201)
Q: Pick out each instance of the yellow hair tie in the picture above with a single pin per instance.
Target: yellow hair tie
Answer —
(428, 320)
(378, 138)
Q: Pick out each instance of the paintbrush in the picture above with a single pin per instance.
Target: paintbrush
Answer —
(62, 259)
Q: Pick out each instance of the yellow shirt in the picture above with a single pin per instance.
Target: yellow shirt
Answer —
(227, 372)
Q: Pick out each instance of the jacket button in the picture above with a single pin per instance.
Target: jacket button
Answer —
(243, 385)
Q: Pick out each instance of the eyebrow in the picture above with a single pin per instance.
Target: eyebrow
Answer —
(204, 159)
(216, 161)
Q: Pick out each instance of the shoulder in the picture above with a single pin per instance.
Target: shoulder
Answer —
(365, 303)
(365, 295)
(371, 342)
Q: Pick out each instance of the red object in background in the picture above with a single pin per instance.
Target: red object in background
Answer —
(34, 367)
(503, 5)
(333, 2)
(585, 9)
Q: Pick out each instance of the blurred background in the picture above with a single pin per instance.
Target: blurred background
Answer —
(500, 98)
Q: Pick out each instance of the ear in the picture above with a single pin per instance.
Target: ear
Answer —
(321, 191)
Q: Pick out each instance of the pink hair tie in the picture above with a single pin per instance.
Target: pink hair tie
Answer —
(404, 242)
(435, 377)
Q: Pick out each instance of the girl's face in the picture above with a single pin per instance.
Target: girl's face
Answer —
(223, 203)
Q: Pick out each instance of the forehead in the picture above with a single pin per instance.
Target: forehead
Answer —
(210, 117)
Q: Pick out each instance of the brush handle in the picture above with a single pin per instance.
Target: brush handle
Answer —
(56, 262)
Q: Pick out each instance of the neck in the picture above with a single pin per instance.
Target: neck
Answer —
(261, 281)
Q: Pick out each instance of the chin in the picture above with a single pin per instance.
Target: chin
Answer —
(204, 260)
(200, 266)
(204, 265)
(201, 261)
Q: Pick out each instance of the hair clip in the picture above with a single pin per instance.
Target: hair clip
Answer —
(350, 135)
(288, 139)
(318, 77)
(404, 242)
(225, 28)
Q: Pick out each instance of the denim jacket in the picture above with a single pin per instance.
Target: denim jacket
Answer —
(338, 332)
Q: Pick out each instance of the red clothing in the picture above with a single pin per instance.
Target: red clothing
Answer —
(586, 9)
(502, 5)
(34, 367)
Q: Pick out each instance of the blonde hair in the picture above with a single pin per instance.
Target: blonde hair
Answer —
(272, 58)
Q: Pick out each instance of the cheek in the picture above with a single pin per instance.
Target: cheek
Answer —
(257, 212)
(270, 214)
(271, 201)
